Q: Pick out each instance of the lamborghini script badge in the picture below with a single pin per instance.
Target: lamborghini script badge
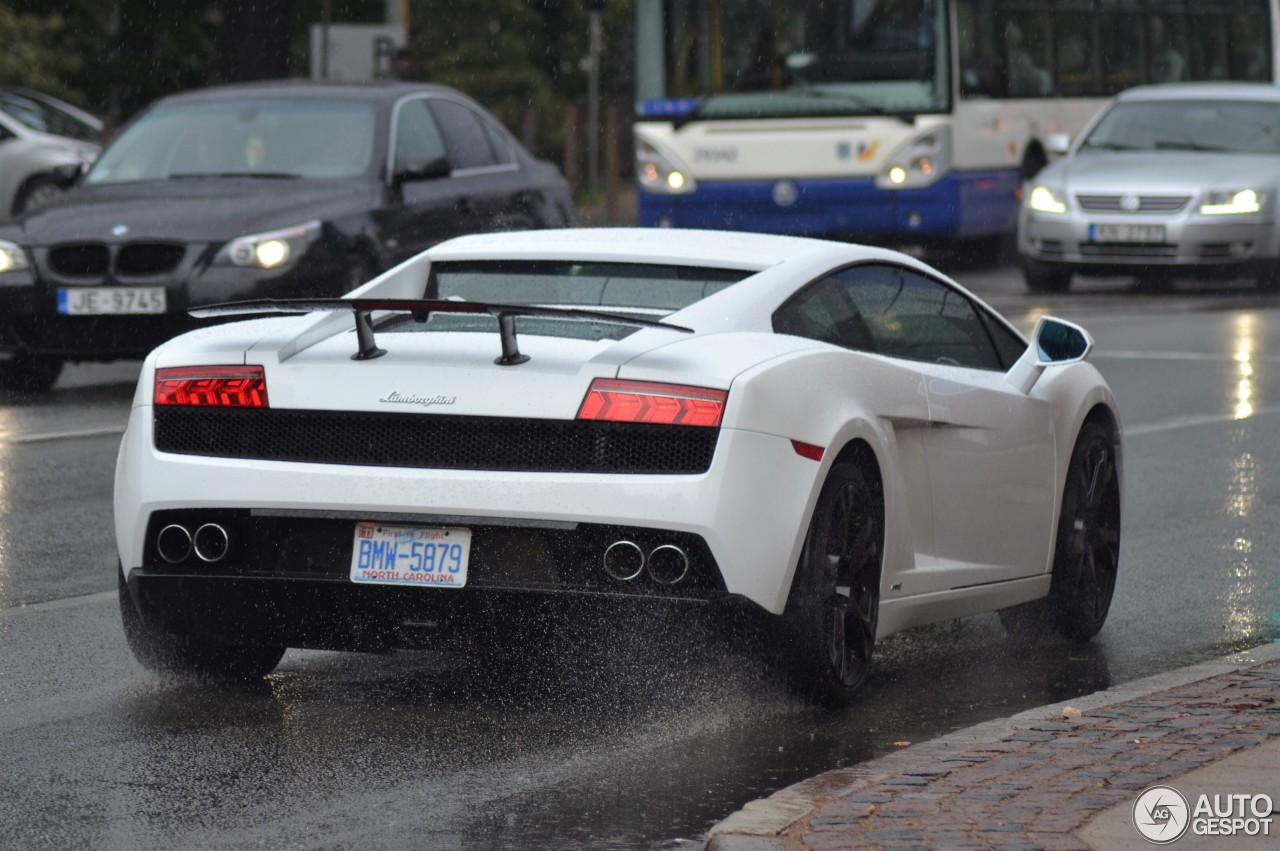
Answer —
(425, 401)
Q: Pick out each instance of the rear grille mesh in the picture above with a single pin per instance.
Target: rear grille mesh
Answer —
(433, 441)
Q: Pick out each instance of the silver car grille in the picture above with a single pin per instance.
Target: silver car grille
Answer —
(1144, 203)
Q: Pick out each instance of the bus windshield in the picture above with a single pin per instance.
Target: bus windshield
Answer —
(764, 59)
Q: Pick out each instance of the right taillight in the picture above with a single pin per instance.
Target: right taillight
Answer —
(212, 386)
(619, 401)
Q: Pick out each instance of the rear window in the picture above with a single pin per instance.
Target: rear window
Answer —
(639, 290)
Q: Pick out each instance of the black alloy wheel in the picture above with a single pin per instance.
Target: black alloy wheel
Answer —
(833, 609)
(1087, 553)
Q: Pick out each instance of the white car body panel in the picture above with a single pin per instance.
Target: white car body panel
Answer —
(972, 468)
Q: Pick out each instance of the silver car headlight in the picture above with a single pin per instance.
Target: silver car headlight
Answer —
(1044, 200)
(269, 250)
(922, 163)
(1231, 202)
(12, 257)
(661, 173)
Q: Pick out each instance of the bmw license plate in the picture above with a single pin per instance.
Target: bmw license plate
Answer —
(410, 555)
(99, 301)
(1126, 233)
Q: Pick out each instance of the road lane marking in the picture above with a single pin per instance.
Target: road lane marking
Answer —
(64, 603)
(1175, 423)
(1111, 354)
(45, 437)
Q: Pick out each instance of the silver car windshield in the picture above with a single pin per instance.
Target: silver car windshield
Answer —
(1223, 126)
(245, 138)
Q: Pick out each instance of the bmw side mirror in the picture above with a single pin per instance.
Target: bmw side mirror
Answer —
(1054, 342)
(67, 174)
(423, 168)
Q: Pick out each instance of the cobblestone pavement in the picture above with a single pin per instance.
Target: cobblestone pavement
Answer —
(1033, 781)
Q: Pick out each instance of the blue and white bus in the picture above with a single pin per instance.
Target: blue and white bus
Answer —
(897, 120)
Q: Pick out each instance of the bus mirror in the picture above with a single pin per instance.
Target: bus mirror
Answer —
(1057, 143)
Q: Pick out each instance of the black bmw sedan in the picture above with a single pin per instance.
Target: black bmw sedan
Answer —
(262, 190)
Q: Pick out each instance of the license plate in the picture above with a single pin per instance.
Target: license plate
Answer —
(100, 301)
(410, 555)
(1126, 233)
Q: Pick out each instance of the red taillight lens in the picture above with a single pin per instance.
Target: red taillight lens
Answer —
(620, 401)
(212, 386)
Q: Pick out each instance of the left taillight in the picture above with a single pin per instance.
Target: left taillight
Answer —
(212, 386)
(620, 401)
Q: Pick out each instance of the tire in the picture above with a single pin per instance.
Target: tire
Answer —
(1046, 279)
(39, 192)
(167, 653)
(30, 373)
(831, 615)
(1087, 549)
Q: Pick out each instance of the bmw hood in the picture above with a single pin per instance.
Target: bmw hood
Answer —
(1189, 173)
(196, 210)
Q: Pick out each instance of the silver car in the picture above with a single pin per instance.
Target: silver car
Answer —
(1165, 181)
(42, 141)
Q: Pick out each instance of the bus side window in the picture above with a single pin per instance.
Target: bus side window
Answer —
(980, 65)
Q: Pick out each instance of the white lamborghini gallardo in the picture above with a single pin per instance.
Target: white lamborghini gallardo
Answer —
(837, 435)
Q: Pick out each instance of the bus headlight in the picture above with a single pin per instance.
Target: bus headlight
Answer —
(1231, 203)
(1044, 200)
(661, 173)
(922, 163)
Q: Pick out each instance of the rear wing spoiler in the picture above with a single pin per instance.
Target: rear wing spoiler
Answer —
(421, 310)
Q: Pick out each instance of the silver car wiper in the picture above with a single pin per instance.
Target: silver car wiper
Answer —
(1186, 145)
(1113, 146)
(265, 175)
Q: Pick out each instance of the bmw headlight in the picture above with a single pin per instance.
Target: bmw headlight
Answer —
(1231, 203)
(661, 173)
(922, 163)
(12, 257)
(269, 250)
(1044, 200)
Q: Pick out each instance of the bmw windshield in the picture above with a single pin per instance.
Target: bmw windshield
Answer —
(300, 138)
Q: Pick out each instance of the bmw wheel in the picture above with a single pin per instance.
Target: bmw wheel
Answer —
(164, 652)
(29, 372)
(833, 609)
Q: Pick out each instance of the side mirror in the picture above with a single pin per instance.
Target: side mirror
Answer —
(1057, 143)
(1054, 342)
(423, 168)
(66, 174)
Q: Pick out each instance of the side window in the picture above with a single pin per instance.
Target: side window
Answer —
(417, 136)
(1009, 345)
(908, 315)
(464, 134)
(497, 141)
(4, 133)
(823, 311)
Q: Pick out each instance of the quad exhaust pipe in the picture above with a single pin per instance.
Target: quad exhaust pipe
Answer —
(625, 560)
(210, 543)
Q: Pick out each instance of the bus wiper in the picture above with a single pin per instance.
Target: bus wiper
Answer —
(857, 101)
(265, 175)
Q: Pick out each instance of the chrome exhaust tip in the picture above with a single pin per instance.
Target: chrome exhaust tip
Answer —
(668, 564)
(211, 542)
(173, 543)
(623, 560)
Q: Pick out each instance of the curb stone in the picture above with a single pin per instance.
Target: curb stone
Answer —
(759, 825)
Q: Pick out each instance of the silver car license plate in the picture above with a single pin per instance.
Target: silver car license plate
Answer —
(1126, 233)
